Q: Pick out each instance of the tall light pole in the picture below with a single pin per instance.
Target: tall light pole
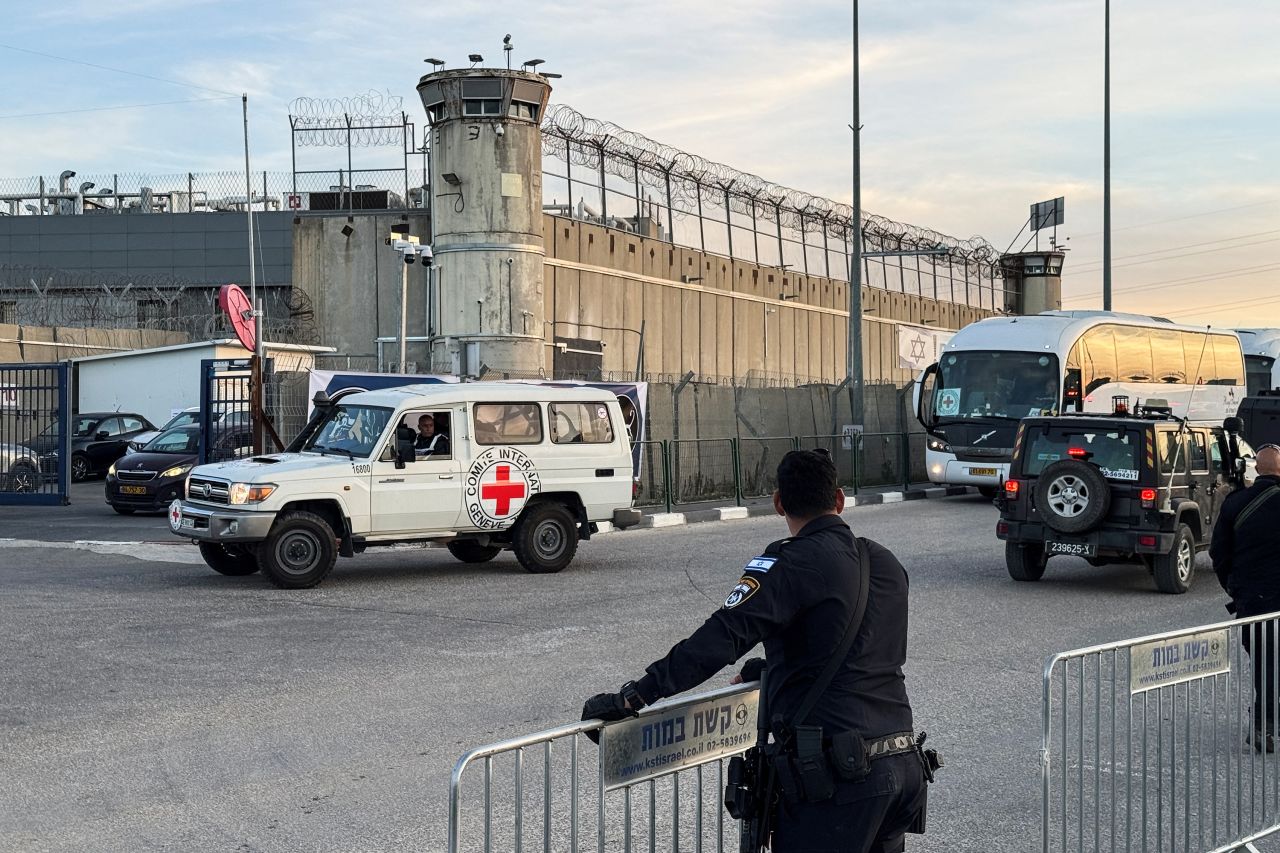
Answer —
(853, 358)
(1106, 156)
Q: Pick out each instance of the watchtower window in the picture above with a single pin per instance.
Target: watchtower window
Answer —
(520, 110)
(481, 107)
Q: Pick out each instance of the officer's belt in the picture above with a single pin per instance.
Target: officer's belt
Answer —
(894, 744)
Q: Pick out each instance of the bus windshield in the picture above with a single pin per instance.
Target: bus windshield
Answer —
(997, 384)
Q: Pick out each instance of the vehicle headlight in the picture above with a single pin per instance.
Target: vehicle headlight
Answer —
(250, 493)
(111, 472)
(939, 445)
(175, 471)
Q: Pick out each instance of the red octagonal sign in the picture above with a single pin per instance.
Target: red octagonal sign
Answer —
(232, 299)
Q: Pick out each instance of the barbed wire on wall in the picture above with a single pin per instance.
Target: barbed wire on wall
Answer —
(570, 136)
(361, 121)
(44, 296)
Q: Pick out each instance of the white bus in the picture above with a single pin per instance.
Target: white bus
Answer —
(1261, 358)
(995, 372)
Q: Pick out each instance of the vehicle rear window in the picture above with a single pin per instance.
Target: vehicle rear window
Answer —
(1114, 452)
(580, 423)
(508, 423)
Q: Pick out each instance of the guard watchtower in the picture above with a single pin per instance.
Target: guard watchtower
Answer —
(486, 218)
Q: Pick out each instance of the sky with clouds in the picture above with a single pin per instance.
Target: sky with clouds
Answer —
(972, 109)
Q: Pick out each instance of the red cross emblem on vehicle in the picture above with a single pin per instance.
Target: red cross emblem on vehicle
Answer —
(503, 490)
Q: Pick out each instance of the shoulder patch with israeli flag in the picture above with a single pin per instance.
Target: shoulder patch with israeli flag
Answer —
(761, 564)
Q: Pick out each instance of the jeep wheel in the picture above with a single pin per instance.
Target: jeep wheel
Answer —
(227, 560)
(545, 538)
(1025, 562)
(1072, 496)
(300, 550)
(1173, 571)
(470, 551)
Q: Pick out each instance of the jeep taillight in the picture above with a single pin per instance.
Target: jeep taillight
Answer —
(1148, 497)
(1011, 488)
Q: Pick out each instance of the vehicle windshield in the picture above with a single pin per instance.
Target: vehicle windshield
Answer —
(349, 430)
(1115, 452)
(994, 384)
(182, 419)
(183, 439)
(82, 427)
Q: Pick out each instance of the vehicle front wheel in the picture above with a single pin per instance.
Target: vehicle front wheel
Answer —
(22, 478)
(1173, 571)
(80, 468)
(226, 559)
(299, 552)
(545, 538)
(1025, 562)
(470, 551)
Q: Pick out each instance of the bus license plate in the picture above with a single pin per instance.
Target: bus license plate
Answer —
(1074, 549)
(982, 472)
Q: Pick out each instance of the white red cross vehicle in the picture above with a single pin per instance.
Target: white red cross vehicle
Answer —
(480, 467)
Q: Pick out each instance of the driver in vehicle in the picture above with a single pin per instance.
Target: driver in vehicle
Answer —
(429, 442)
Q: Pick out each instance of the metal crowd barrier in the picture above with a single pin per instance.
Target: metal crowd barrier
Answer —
(1144, 742)
(654, 783)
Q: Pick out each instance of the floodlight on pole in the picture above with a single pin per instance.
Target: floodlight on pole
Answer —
(437, 63)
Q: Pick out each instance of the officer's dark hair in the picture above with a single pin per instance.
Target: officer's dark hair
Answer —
(807, 483)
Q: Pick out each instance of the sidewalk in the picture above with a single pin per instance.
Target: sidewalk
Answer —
(697, 513)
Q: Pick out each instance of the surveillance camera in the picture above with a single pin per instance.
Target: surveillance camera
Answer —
(409, 257)
(427, 255)
(498, 130)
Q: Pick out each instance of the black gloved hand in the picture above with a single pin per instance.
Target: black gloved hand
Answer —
(751, 669)
(608, 707)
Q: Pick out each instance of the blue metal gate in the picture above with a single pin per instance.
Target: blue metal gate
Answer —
(35, 433)
(227, 404)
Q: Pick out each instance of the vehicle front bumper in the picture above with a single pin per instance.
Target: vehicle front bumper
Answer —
(1107, 543)
(156, 494)
(216, 524)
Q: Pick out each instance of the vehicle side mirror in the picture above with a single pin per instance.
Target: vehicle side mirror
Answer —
(404, 446)
(1233, 426)
(102, 435)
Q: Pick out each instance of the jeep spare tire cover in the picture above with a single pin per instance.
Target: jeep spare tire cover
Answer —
(1072, 496)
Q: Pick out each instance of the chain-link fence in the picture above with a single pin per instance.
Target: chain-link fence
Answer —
(213, 192)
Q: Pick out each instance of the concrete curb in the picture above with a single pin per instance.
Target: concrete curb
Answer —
(727, 513)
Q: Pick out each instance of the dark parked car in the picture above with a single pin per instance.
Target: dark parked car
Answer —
(151, 478)
(97, 440)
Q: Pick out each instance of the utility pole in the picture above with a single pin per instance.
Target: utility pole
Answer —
(1106, 156)
(854, 337)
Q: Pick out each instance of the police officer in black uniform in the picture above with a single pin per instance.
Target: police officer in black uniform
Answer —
(798, 598)
(1245, 548)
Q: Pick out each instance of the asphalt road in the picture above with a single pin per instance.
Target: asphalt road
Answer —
(147, 703)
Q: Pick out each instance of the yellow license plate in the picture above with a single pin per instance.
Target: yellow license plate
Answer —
(133, 490)
(982, 472)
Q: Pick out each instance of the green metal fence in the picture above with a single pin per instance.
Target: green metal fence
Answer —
(690, 471)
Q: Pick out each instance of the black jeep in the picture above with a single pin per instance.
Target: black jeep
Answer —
(1121, 488)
